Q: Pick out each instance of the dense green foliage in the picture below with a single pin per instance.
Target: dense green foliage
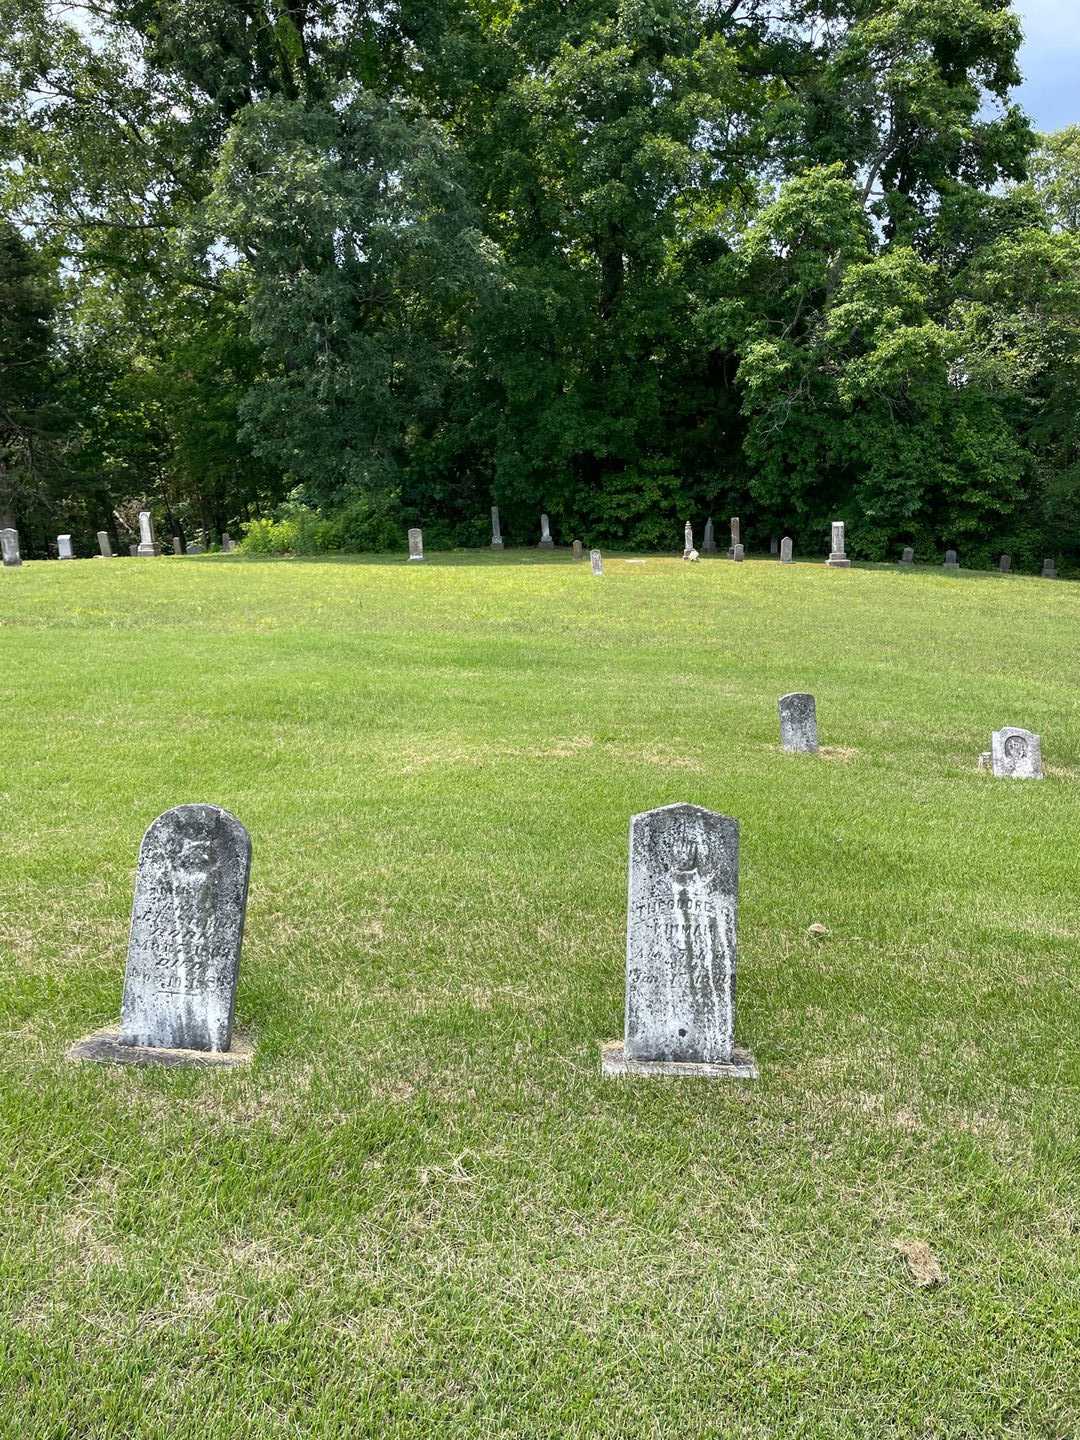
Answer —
(627, 261)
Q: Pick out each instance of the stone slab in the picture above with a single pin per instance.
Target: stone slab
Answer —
(107, 1048)
(615, 1061)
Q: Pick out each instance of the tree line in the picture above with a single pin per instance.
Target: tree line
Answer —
(351, 267)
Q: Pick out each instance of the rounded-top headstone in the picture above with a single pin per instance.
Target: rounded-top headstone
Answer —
(798, 723)
(1016, 754)
(681, 935)
(187, 926)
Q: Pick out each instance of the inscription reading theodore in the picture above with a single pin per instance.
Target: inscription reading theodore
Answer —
(187, 926)
(681, 935)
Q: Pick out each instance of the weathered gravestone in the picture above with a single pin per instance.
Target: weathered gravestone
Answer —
(708, 544)
(9, 546)
(785, 550)
(577, 550)
(177, 545)
(147, 542)
(496, 532)
(133, 550)
(187, 926)
(195, 550)
(951, 562)
(736, 537)
(416, 544)
(688, 540)
(63, 547)
(681, 928)
(774, 546)
(597, 562)
(1016, 754)
(104, 545)
(1005, 564)
(739, 553)
(1049, 570)
(546, 542)
(837, 558)
(908, 557)
(798, 723)
(226, 543)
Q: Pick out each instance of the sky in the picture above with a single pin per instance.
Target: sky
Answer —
(1050, 61)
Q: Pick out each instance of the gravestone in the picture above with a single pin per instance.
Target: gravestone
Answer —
(681, 940)
(546, 541)
(837, 557)
(798, 723)
(688, 540)
(577, 550)
(104, 545)
(597, 562)
(1049, 570)
(1016, 754)
(739, 553)
(63, 547)
(416, 544)
(1005, 564)
(195, 550)
(785, 550)
(226, 543)
(177, 545)
(736, 537)
(496, 532)
(187, 926)
(986, 760)
(9, 547)
(708, 545)
(908, 557)
(133, 550)
(774, 546)
(147, 542)
(951, 562)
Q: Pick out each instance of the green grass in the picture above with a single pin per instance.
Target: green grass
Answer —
(422, 1212)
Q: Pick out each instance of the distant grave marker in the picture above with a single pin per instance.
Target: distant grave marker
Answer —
(908, 556)
(837, 557)
(1005, 564)
(736, 536)
(546, 542)
(9, 548)
(416, 544)
(708, 544)
(739, 553)
(147, 541)
(104, 545)
(177, 545)
(681, 941)
(63, 547)
(597, 562)
(951, 562)
(577, 550)
(1016, 754)
(798, 723)
(785, 550)
(688, 540)
(1049, 570)
(496, 532)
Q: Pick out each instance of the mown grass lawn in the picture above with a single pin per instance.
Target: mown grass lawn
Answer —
(422, 1212)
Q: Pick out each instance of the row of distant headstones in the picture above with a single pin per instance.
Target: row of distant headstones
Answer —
(191, 895)
(12, 551)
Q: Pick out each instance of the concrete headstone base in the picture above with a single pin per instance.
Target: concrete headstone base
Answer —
(105, 1046)
(614, 1061)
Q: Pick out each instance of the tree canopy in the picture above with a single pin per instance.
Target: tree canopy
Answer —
(627, 261)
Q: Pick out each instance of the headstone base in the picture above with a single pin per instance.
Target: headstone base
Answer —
(416, 559)
(105, 1047)
(614, 1061)
(147, 549)
(546, 545)
(496, 544)
(838, 562)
